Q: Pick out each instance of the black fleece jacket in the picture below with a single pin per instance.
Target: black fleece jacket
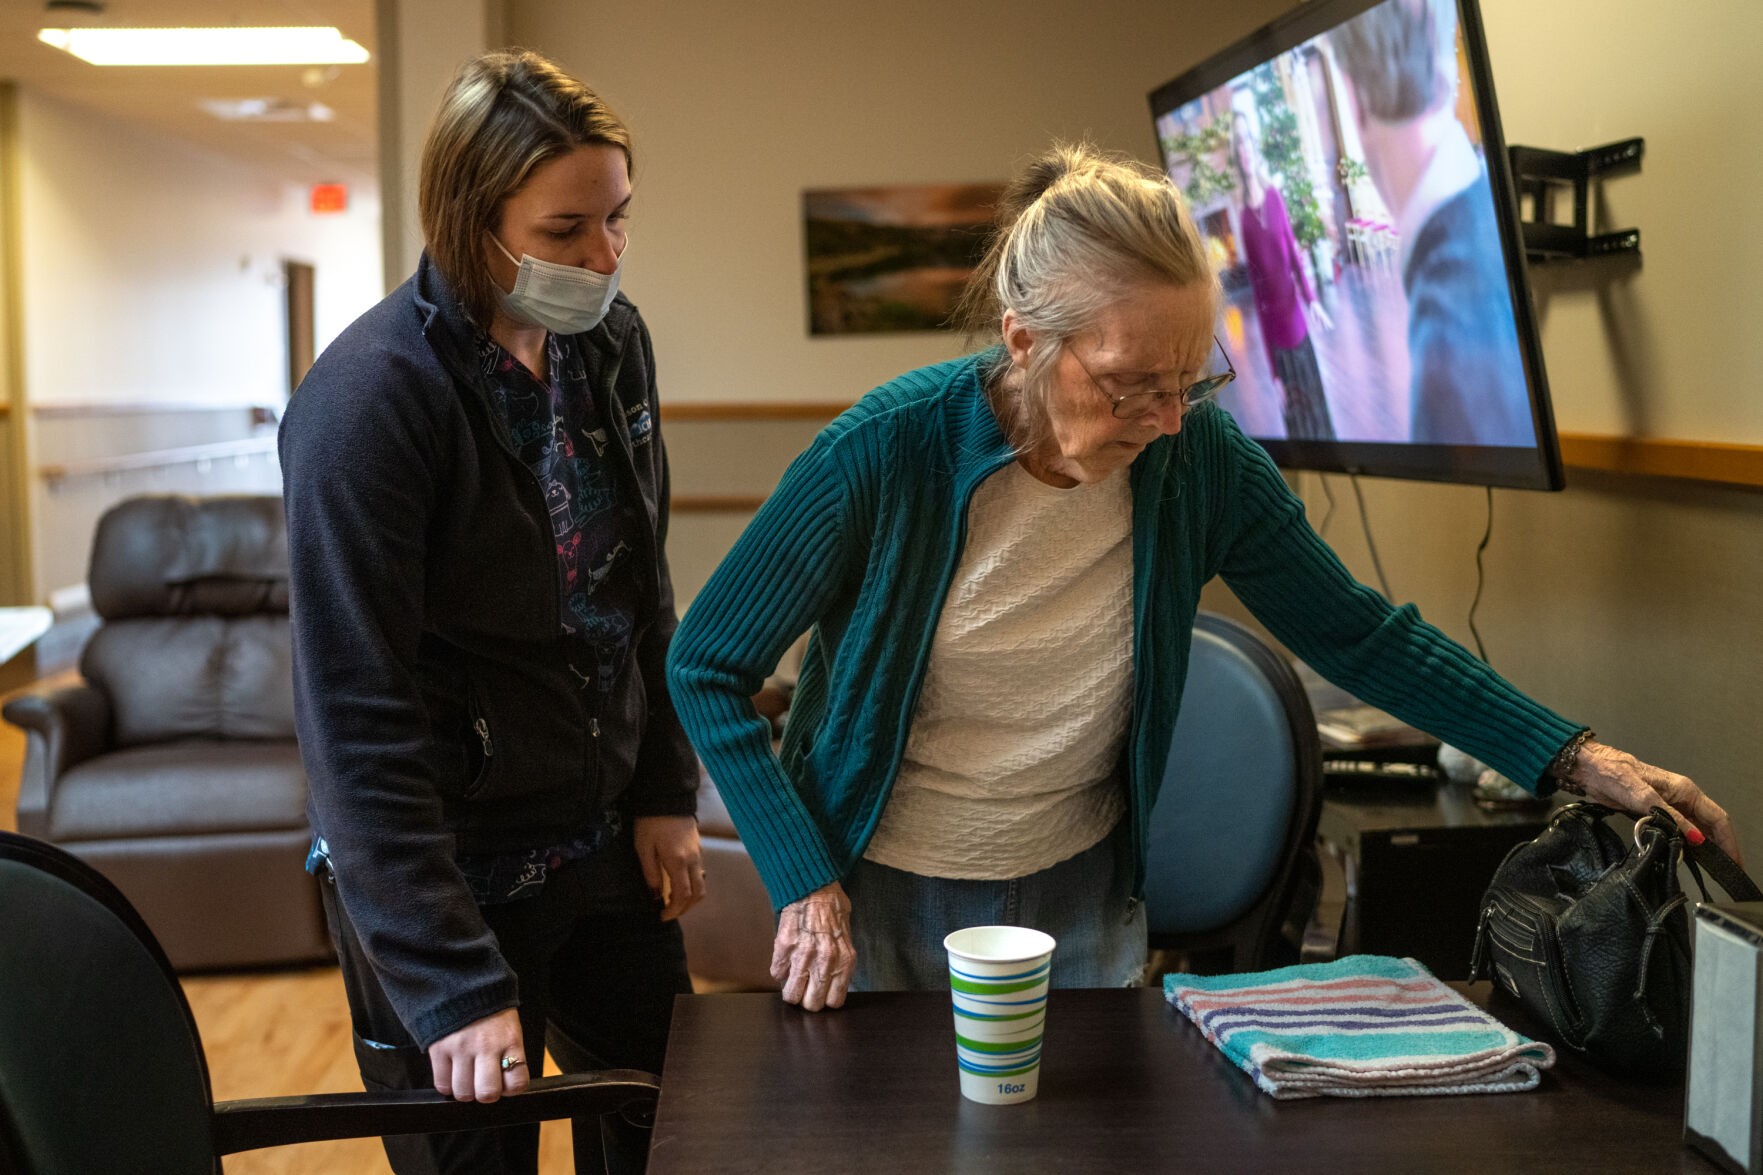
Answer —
(437, 706)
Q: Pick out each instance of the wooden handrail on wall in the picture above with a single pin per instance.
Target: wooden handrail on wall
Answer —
(715, 503)
(246, 448)
(1711, 461)
(701, 411)
(1705, 461)
(80, 408)
(1694, 460)
(753, 410)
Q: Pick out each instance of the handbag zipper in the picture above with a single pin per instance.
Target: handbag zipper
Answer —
(1512, 946)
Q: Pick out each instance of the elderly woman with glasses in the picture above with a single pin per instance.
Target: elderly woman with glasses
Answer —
(1000, 558)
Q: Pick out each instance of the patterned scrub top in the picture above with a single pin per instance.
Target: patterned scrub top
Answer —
(559, 431)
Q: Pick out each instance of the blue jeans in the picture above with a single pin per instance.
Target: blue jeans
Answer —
(898, 919)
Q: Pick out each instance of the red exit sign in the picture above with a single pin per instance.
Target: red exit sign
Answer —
(328, 198)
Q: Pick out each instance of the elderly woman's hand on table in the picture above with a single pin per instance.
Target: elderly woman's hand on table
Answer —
(813, 956)
(1618, 780)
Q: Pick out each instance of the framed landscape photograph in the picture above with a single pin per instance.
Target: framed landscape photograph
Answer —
(893, 258)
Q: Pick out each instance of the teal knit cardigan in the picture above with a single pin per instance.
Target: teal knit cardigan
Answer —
(860, 542)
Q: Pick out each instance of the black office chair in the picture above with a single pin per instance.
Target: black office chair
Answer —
(1234, 876)
(101, 1067)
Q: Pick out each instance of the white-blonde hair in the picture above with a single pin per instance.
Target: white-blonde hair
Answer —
(1074, 231)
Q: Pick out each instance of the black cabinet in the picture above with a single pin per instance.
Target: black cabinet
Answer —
(1417, 860)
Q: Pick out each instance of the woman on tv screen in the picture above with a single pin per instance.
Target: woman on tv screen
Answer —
(1284, 295)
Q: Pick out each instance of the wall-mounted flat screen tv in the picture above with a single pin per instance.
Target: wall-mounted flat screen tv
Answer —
(1346, 169)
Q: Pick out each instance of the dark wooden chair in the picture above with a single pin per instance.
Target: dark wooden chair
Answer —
(101, 1067)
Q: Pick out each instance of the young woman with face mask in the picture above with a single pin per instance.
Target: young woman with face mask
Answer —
(476, 500)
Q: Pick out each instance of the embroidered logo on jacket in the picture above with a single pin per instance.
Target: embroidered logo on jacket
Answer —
(641, 425)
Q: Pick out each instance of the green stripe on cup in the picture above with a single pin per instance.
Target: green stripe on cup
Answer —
(969, 987)
(1006, 1016)
(997, 1046)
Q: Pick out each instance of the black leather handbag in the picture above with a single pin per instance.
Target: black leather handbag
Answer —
(1593, 935)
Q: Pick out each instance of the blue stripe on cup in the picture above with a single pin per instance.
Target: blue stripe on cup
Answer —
(1004, 1017)
(999, 1066)
(981, 1002)
(980, 977)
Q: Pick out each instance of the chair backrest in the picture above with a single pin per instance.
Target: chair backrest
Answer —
(101, 1068)
(1231, 837)
(194, 597)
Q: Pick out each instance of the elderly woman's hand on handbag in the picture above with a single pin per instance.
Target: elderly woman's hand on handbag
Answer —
(813, 956)
(1618, 780)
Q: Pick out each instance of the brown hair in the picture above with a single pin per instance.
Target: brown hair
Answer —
(1400, 56)
(504, 113)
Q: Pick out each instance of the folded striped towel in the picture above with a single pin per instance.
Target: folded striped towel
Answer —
(1362, 1026)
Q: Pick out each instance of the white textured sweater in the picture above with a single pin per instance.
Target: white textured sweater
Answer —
(1010, 766)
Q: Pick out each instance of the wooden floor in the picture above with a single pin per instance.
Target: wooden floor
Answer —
(277, 1033)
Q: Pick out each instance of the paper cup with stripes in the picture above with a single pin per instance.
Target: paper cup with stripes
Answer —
(998, 981)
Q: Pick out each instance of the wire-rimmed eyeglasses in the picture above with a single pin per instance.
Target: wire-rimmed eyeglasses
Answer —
(1134, 404)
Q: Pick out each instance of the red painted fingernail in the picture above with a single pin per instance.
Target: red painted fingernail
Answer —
(1694, 835)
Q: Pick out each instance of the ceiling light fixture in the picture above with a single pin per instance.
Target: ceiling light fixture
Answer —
(267, 110)
(231, 46)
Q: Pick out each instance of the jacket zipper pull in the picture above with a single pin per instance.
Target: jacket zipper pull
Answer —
(482, 726)
(594, 727)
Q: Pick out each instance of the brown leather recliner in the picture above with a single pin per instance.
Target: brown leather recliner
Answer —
(173, 767)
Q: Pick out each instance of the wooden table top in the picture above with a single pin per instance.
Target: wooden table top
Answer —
(1127, 1084)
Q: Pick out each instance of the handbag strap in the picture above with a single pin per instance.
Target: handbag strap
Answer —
(1706, 856)
(1723, 869)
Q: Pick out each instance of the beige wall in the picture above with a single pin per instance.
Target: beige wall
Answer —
(1670, 350)
(737, 108)
(720, 459)
(421, 43)
(180, 282)
(150, 273)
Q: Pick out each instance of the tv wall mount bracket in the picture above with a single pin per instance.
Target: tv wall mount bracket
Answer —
(1543, 175)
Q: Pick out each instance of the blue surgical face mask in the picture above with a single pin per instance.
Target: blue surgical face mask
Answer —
(566, 299)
